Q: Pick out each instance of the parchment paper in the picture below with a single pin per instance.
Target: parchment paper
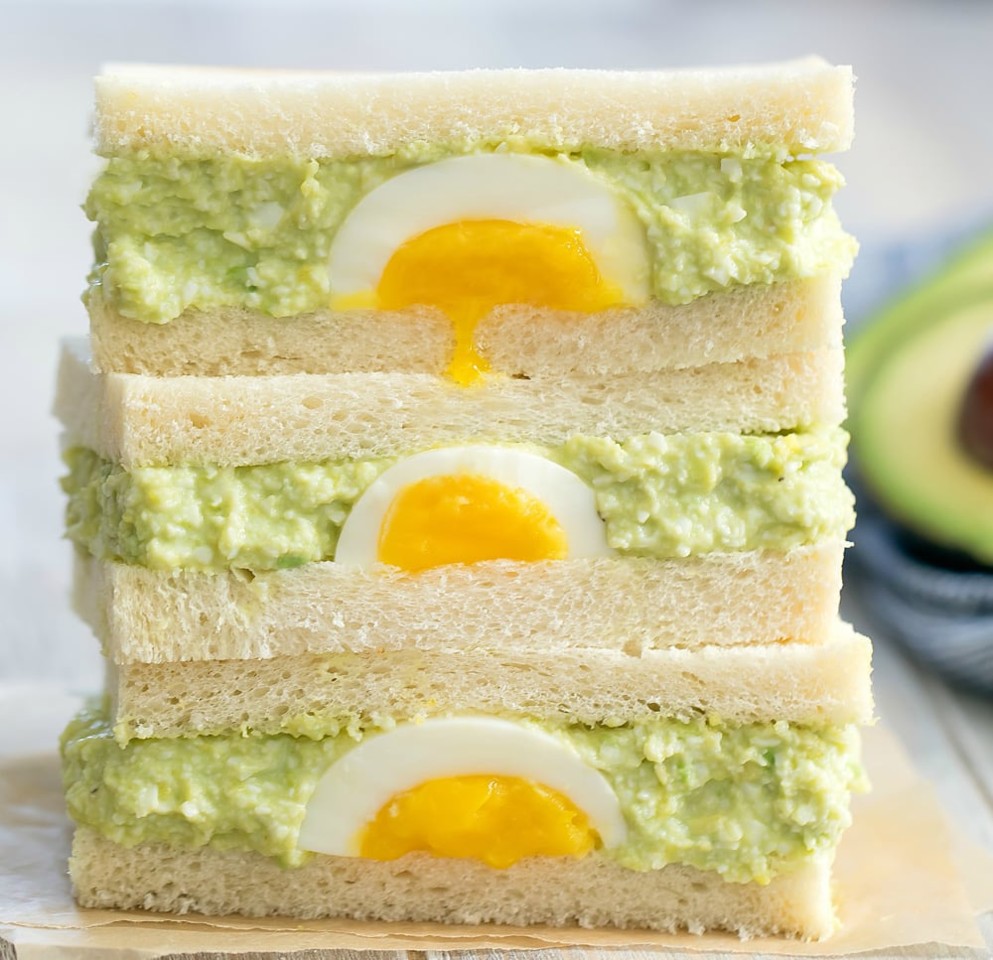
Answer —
(903, 876)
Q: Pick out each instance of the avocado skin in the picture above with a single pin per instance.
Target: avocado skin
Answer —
(908, 371)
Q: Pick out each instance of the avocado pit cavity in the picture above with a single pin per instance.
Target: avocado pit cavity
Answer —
(975, 423)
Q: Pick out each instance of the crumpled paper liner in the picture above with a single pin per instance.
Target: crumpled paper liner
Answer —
(903, 878)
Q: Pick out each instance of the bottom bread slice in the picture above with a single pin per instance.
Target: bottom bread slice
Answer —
(591, 892)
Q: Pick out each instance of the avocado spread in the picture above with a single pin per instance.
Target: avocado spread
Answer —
(174, 233)
(659, 496)
(746, 801)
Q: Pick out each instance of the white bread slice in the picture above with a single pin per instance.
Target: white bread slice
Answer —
(804, 105)
(590, 892)
(137, 420)
(758, 320)
(797, 682)
(609, 603)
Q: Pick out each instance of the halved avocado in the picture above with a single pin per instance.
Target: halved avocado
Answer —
(968, 275)
(908, 374)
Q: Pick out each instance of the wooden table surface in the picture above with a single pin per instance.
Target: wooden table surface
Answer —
(921, 164)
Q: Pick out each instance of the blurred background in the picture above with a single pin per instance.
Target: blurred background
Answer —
(919, 173)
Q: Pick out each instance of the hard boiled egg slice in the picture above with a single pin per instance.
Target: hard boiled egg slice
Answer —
(470, 233)
(476, 787)
(469, 504)
(518, 188)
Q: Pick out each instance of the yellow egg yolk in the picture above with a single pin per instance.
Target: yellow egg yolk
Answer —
(466, 518)
(468, 268)
(498, 820)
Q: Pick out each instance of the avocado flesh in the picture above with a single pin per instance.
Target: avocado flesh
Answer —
(905, 426)
(967, 277)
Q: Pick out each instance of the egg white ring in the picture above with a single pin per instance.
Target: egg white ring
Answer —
(353, 789)
(503, 186)
(569, 500)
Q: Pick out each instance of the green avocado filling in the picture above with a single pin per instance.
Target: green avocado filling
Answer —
(746, 801)
(658, 495)
(174, 233)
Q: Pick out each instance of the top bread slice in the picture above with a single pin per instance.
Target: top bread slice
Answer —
(807, 683)
(139, 420)
(802, 105)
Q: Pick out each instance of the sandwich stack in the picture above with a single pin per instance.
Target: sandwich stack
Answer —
(455, 483)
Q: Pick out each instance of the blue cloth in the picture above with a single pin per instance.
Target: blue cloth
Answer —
(943, 616)
(938, 608)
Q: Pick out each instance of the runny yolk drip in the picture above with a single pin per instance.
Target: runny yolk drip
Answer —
(498, 820)
(466, 518)
(467, 268)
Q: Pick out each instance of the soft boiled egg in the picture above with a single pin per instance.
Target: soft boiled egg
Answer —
(470, 787)
(470, 233)
(469, 504)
